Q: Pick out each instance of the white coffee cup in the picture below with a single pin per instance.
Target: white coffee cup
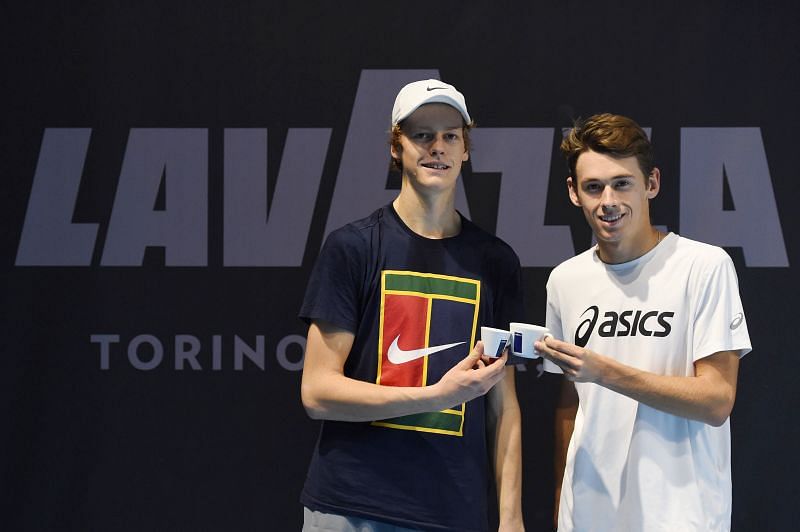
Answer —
(523, 335)
(494, 341)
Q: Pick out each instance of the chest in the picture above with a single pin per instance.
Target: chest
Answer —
(639, 319)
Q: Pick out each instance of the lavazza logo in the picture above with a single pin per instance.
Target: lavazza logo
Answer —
(269, 227)
(625, 323)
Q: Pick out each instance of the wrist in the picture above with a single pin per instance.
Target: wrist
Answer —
(511, 522)
(433, 396)
(605, 370)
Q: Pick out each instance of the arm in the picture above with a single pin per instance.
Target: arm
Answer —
(504, 427)
(328, 394)
(566, 409)
(707, 396)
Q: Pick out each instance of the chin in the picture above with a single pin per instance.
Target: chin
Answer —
(437, 182)
(611, 238)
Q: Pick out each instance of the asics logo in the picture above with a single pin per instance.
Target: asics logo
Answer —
(626, 323)
(585, 328)
(737, 320)
(401, 356)
(434, 88)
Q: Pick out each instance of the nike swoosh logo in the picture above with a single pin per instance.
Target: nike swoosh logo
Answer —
(400, 356)
(434, 88)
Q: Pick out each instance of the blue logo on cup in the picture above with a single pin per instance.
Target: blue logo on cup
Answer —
(517, 343)
(500, 347)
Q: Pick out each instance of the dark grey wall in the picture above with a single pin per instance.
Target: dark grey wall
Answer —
(148, 370)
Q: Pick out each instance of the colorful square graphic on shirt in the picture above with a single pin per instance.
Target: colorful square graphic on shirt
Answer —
(427, 323)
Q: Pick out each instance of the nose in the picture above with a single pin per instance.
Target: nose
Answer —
(608, 198)
(437, 145)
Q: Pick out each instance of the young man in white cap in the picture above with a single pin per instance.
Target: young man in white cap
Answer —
(394, 303)
(651, 330)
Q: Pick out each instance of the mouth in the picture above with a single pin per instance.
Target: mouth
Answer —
(436, 165)
(611, 218)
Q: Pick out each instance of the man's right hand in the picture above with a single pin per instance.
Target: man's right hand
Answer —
(473, 376)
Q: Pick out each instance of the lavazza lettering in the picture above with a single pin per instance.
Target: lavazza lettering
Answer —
(262, 231)
(255, 236)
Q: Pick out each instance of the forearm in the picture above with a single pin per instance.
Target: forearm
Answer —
(506, 436)
(327, 393)
(706, 396)
(566, 410)
(700, 397)
(345, 399)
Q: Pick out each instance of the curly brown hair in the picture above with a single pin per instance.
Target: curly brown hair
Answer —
(614, 135)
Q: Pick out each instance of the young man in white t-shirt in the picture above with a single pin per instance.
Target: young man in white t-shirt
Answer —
(648, 330)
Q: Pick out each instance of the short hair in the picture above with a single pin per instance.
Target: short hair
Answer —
(614, 135)
(397, 130)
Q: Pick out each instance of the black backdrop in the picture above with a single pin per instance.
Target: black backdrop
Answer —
(211, 435)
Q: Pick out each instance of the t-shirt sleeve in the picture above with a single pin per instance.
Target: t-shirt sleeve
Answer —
(334, 288)
(720, 324)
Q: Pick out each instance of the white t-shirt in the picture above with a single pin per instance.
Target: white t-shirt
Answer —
(631, 467)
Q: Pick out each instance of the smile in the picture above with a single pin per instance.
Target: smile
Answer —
(611, 218)
(436, 166)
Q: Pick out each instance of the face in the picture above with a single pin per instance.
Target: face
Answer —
(432, 147)
(614, 196)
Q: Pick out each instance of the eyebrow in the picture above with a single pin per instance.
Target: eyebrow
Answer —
(620, 176)
(445, 128)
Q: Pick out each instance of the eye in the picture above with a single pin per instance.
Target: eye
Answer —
(592, 187)
(622, 183)
(451, 137)
(421, 136)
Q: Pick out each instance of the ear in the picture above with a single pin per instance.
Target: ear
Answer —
(573, 191)
(465, 157)
(653, 183)
(395, 151)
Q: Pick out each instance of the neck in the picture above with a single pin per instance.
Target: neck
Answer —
(627, 250)
(432, 216)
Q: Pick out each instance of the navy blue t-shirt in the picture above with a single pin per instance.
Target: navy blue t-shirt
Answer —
(403, 295)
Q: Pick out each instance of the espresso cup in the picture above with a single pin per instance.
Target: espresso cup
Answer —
(523, 335)
(494, 341)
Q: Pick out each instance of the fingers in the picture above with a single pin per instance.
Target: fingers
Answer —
(478, 349)
(557, 348)
(548, 349)
(490, 367)
(497, 365)
(544, 342)
(504, 356)
(472, 358)
(478, 353)
(489, 371)
(561, 346)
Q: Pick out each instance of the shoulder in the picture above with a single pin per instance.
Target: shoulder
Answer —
(577, 265)
(498, 258)
(700, 254)
(493, 246)
(502, 251)
(356, 234)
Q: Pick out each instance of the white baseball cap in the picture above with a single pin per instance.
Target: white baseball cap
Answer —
(418, 93)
